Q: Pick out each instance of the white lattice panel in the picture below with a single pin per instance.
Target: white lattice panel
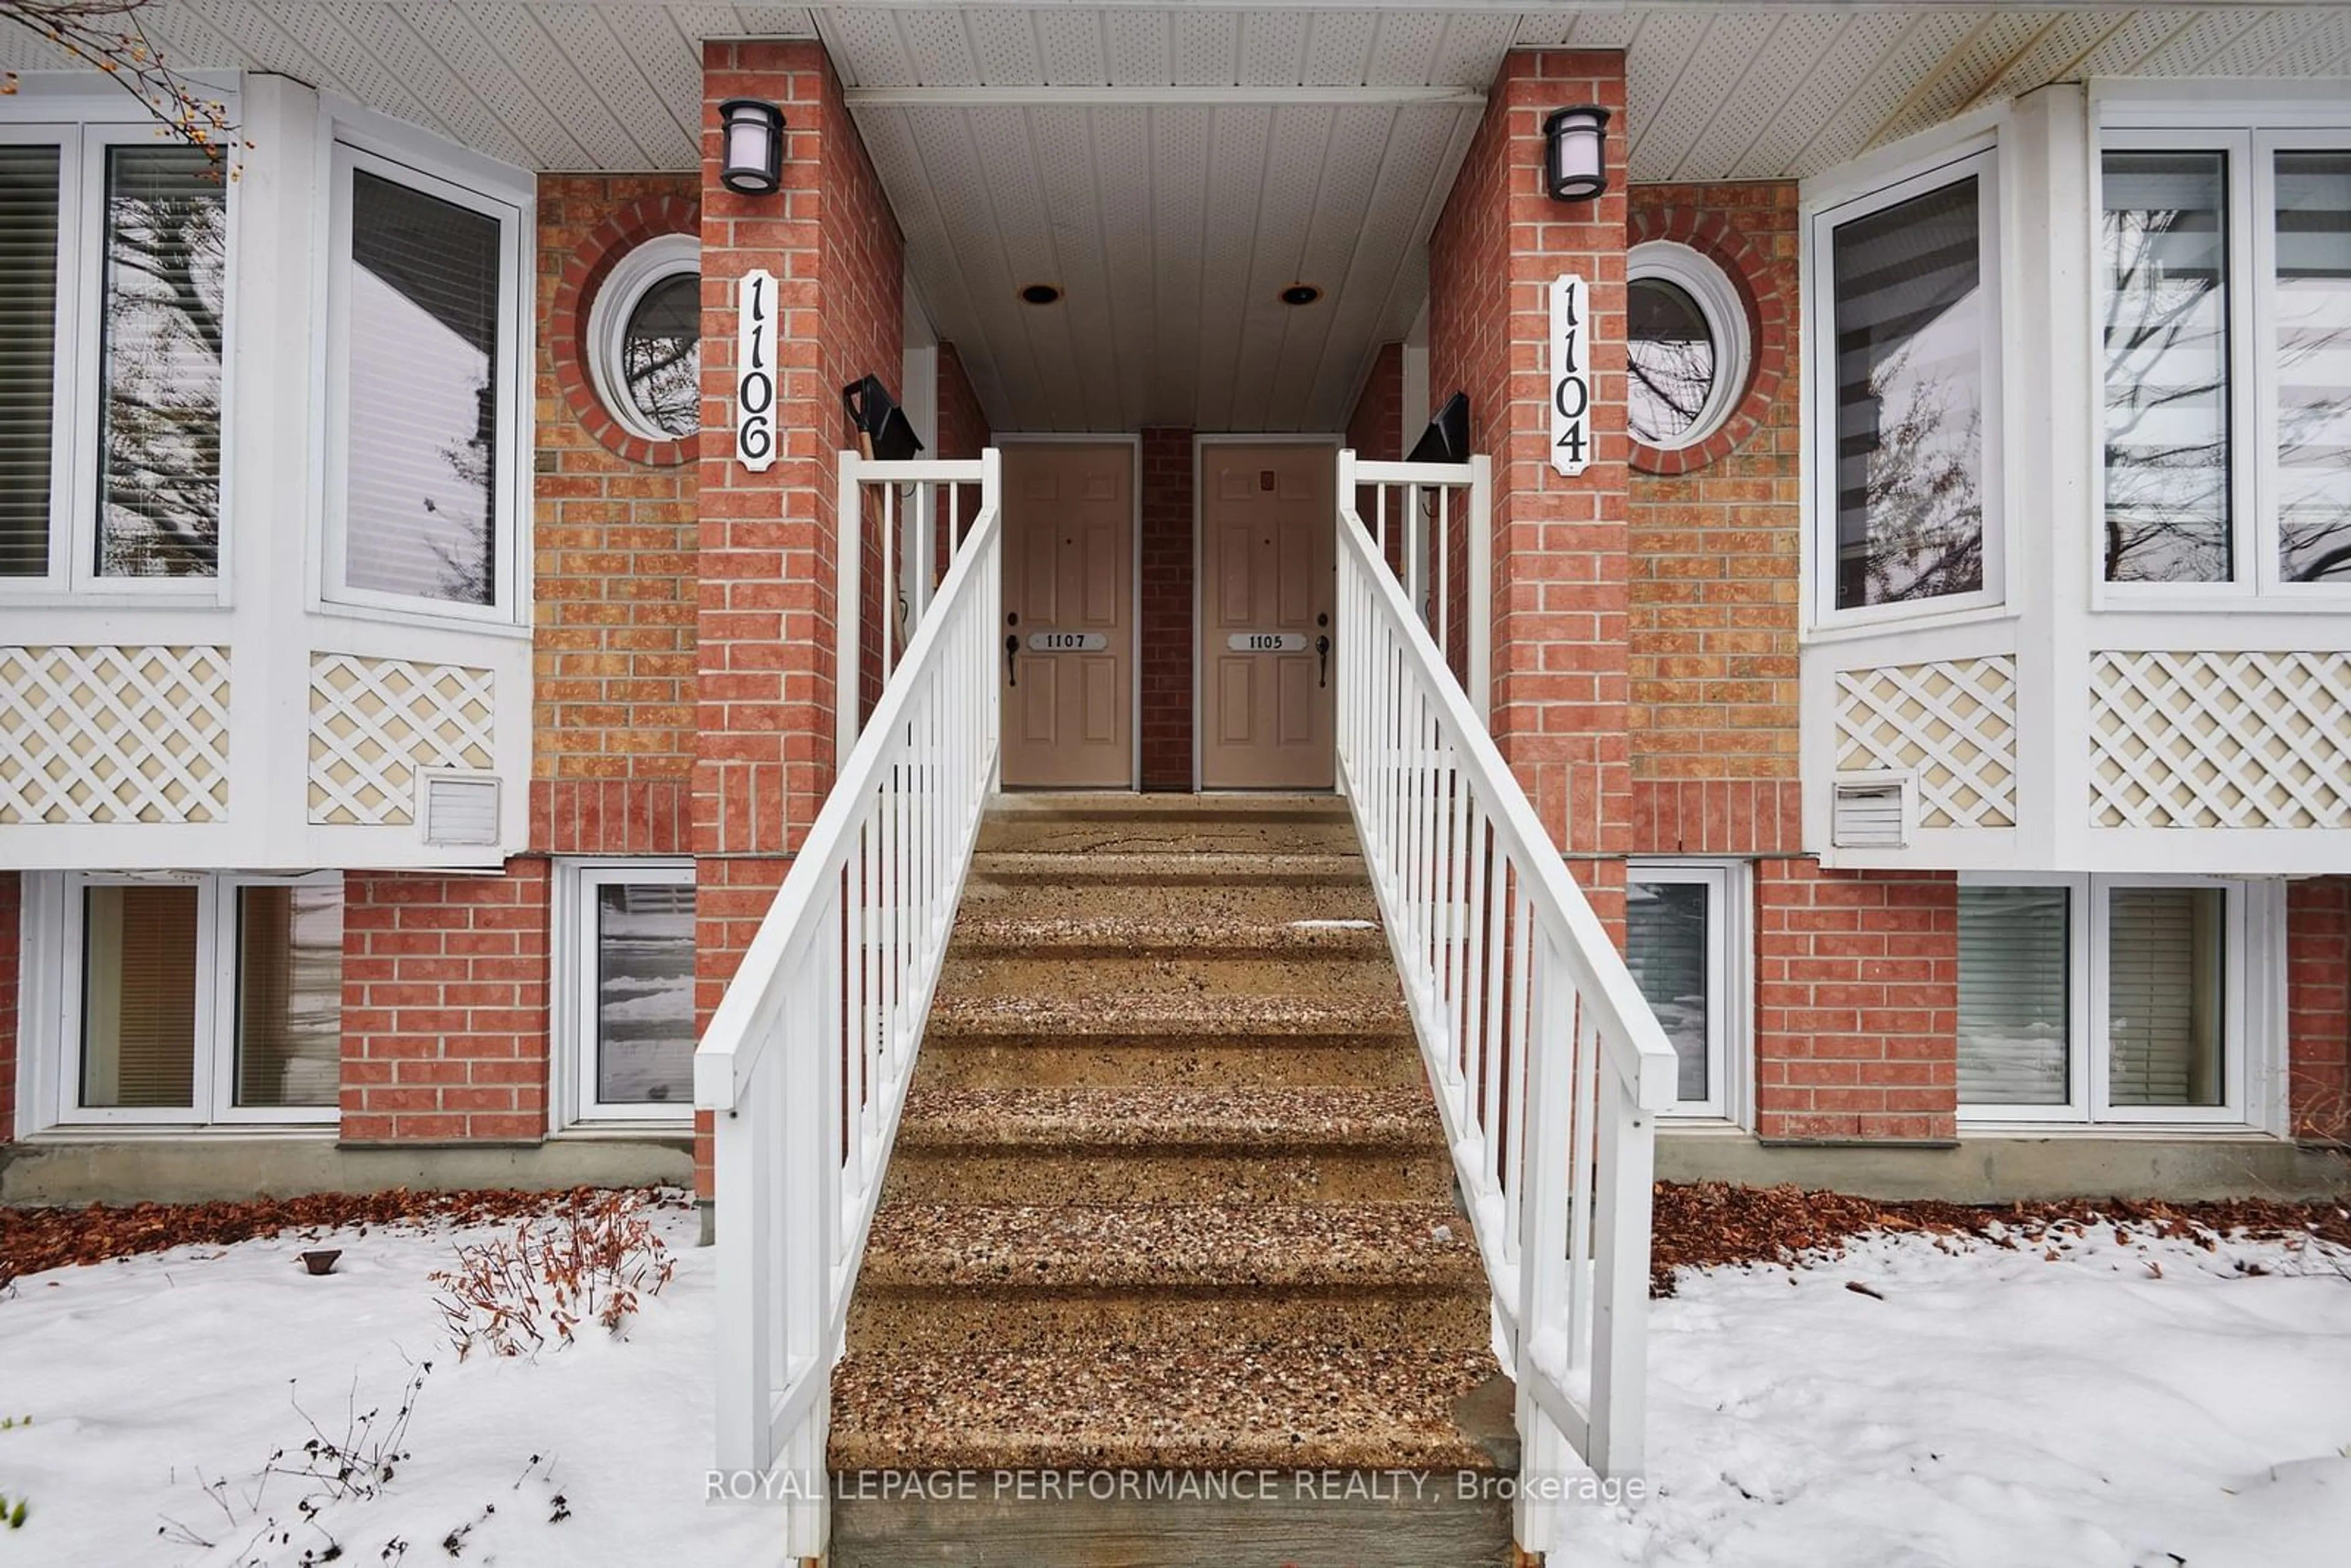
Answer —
(113, 734)
(373, 722)
(2220, 740)
(1952, 723)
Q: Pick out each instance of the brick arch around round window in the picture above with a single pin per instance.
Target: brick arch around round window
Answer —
(584, 272)
(1763, 294)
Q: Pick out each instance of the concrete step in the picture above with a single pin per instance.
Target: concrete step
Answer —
(1290, 1145)
(1093, 1012)
(1112, 985)
(969, 1277)
(1200, 1058)
(1192, 921)
(1164, 824)
(1179, 868)
(1297, 1407)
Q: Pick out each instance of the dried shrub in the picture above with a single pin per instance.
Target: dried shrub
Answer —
(587, 1262)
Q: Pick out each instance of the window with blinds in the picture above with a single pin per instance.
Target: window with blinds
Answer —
(164, 297)
(2310, 357)
(2015, 1008)
(2165, 973)
(1669, 938)
(1909, 324)
(422, 464)
(28, 348)
(289, 994)
(139, 998)
(2164, 307)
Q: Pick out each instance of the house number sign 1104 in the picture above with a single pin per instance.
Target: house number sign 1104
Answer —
(756, 321)
(1571, 374)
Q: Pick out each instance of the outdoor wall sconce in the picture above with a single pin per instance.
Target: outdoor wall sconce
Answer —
(753, 133)
(1446, 439)
(1575, 156)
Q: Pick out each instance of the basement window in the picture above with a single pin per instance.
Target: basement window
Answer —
(1684, 945)
(2106, 998)
(196, 1000)
(626, 1013)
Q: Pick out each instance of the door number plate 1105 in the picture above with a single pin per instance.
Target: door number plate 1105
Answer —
(1267, 641)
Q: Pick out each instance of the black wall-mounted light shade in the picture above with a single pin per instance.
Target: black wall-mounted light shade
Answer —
(1446, 439)
(1575, 153)
(751, 133)
(884, 432)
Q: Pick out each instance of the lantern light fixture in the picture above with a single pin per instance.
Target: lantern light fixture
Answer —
(1575, 156)
(752, 133)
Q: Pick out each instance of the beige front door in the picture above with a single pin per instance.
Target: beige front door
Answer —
(1267, 531)
(1066, 650)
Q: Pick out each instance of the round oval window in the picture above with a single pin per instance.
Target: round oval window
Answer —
(1685, 346)
(645, 329)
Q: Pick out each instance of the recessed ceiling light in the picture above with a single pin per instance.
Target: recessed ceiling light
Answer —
(1040, 293)
(1300, 294)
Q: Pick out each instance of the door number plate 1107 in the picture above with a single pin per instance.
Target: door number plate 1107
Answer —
(1267, 641)
(1067, 642)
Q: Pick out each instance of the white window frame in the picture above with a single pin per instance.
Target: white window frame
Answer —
(1980, 157)
(78, 376)
(2243, 287)
(54, 937)
(574, 1106)
(2157, 116)
(634, 276)
(2251, 933)
(511, 496)
(1718, 300)
(1729, 979)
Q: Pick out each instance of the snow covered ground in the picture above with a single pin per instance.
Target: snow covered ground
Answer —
(2137, 1406)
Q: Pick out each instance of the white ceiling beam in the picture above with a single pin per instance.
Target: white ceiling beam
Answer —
(1027, 96)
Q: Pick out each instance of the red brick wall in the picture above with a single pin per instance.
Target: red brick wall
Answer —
(12, 914)
(1560, 611)
(963, 429)
(1375, 430)
(1714, 532)
(1167, 649)
(444, 1005)
(613, 650)
(1856, 1002)
(2318, 1004)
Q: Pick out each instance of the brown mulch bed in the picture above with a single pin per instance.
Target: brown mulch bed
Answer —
(32, 1239)
(1713, 1223)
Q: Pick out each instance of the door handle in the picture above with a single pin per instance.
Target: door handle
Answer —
(1012, 660)
(1323, 658)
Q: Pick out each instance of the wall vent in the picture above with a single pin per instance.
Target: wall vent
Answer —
(457, 808)
(1872, 811)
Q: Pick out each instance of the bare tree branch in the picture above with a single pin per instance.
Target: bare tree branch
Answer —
(106, 35)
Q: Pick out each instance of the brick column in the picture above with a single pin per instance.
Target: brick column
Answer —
(2318, 1006)
(1559, 691)
(765, 627)
(1167, 631)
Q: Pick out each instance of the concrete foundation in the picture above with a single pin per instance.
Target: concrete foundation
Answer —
(192, 1170)
(2010, 1169)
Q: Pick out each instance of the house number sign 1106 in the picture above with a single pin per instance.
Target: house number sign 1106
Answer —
(1571, 374)
(756, 321)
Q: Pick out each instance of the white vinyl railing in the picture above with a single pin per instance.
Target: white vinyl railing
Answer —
(1549, 1066)
(915, 517)
(806, 1062)
(1428, 521)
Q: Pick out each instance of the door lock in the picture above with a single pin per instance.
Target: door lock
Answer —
(1012, 660)
(1323, 658)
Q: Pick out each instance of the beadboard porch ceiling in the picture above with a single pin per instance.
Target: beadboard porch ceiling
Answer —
(1174, 167)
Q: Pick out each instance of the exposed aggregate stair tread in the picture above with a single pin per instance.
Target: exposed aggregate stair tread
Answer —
(1188, 1010)
(1024, 1247)
(1304, 1407)
(1150, 1117)
(984, 928)
(1188, 868)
